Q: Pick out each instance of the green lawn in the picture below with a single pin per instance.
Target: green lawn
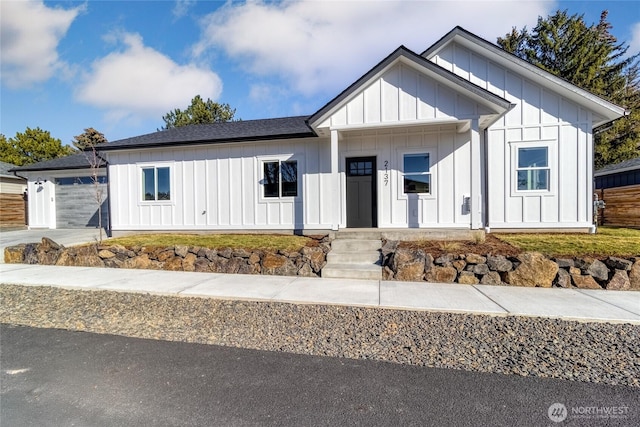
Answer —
(606, 242)
(622, 242)
(216, 241)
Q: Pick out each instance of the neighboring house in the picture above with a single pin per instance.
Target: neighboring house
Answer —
(619, 186)
(464, 136)
(62, 193)
(12, 197)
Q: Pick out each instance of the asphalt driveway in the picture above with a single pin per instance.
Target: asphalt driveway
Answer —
(63, 237)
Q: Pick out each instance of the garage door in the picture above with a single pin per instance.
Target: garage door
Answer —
(76, 205)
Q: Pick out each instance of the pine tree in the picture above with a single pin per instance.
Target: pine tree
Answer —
(32, 146)
(88, 139)
(199, 112)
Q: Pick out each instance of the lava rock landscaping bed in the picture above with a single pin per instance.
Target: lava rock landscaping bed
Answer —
(405, 262)
(579, 351)
(307, 262)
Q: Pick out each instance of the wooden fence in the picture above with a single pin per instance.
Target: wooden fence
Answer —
(622, 206)
(13, 210)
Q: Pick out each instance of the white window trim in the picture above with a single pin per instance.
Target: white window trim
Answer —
(432, 152)
(139, 190)
(552, 166)
(260, 175)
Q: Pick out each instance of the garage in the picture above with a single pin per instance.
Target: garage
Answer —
(67, 193)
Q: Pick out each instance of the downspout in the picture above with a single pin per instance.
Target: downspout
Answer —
(23, 177)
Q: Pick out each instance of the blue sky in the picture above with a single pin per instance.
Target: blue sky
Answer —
(119, 66)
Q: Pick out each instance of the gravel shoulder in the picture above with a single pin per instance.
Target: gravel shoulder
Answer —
(588, 352)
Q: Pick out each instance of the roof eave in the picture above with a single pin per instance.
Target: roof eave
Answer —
(55, 168)
(108, 147)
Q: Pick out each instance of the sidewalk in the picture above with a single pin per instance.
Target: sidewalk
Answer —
(569, 304)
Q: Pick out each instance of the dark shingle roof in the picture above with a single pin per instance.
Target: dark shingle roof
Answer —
(5, 168)
(245, 130)
(74, 161)
(619, 167)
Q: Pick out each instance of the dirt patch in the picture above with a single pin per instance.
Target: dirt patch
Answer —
(491, 246)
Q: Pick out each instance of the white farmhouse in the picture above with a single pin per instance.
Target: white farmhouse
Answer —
(462, 136)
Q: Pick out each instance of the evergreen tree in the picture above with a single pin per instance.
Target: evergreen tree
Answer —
(590, 57)
(88, 139)
(32, 146)
(199, 112)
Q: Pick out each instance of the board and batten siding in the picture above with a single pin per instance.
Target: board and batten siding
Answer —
(450, 175)
(218, 187)
(539, 116)
(404, 94)
(403, 111)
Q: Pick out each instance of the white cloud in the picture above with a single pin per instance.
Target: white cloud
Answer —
(634, 44)
(140, 82)
(29, 37)
(181, 8)
(319, 46)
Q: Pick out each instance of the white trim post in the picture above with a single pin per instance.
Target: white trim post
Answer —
(476, 177)
(336, 198)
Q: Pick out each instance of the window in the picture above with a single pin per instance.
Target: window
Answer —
(280, 178)
(360, 168)
(533, 169)
(80, 180)
(156, 183)
(417, 177)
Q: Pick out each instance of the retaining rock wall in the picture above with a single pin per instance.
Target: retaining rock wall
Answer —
(308, 261)
(527, 269)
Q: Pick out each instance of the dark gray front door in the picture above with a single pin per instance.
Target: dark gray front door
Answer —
(361, 192)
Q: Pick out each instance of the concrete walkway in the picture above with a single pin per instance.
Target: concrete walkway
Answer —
(574, 304)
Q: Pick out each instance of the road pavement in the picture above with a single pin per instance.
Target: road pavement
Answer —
(55, 377)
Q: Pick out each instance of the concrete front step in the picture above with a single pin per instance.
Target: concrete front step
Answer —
(352, 271)
(355, 245)
(368, 257)
(354, 258)
(359, 235)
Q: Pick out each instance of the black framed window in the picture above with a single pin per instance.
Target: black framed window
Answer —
(280, 178)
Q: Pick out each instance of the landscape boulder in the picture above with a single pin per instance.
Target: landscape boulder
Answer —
(499, 263)
(467, 278)
(563, 279)
(534, 270)
(593, 267)
(582, 281)
(14, 254)
(440, 274)
(620, 281)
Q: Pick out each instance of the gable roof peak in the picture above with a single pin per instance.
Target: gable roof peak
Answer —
(604, 110)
